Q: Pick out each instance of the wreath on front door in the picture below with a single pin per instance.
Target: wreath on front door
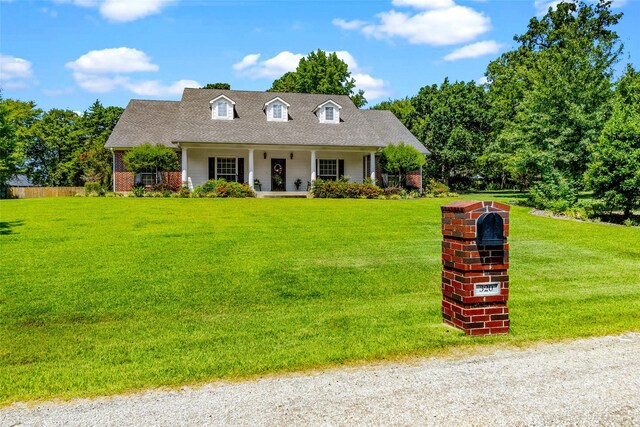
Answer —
(277, 169)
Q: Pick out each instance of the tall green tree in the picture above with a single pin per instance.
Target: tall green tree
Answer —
(9, 155)
(614, 172)
(52, 153)
(96, 125)
(453, 122)
(323, 73)
(550, 96)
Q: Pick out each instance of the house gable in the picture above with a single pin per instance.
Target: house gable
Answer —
(277, 110)
(328, 112)
(222, 108)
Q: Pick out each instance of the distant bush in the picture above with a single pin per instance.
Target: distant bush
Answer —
(221, 188)
(93, 188)
(554, 193)
(138, 190)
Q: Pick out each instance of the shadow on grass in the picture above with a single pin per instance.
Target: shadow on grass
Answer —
(6, 227)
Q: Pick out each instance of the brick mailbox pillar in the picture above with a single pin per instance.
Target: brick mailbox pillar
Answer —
(475, 259)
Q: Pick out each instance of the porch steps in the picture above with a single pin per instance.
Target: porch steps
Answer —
(281, 194)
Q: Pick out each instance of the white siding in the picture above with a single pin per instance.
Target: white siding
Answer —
(322, 113)
(214, 110)
(298, 167)
(270, 117)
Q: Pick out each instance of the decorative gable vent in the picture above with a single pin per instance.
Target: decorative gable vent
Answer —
(277, 110)
(222, 108)
(328, 112)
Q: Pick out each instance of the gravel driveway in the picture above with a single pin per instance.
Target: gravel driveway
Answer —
(586, 382)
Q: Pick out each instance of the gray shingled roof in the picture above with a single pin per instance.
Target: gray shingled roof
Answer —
(192, 122)
(145, 121)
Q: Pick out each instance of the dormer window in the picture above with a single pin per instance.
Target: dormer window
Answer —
(277, 110)
(328, 112)
(222, 108)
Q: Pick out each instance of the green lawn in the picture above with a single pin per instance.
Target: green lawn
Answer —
(104, 295)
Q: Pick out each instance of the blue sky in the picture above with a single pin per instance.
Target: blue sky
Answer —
(68, 53)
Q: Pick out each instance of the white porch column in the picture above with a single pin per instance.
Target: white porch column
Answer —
(251, 168)
(373, 167)
(184, 166)
(314, 172)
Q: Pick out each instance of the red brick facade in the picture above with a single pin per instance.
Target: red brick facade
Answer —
(467, 265)
(414, 179)
(123, 180)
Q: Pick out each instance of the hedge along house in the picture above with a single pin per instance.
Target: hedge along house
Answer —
(270, 137)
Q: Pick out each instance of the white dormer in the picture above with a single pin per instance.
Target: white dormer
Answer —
(328, 112)
(222, 108)
(277, 110)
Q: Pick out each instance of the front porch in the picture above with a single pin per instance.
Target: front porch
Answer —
(275, 170)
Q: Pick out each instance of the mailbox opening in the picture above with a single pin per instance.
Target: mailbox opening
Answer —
(489, 230)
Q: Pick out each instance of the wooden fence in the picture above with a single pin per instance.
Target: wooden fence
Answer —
(31, 192)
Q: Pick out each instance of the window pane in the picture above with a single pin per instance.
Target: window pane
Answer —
(226, 168)
(277, 111)
(147, 179)
(328, 113)
(328, 169)
(222, 109)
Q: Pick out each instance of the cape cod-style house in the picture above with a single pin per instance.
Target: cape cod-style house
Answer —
(270, 137)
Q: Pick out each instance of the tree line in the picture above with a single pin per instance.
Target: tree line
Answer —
(551, 118)
(57, 147)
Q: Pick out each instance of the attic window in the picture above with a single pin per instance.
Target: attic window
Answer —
(328, 113)
(277, 111)
(222, 109)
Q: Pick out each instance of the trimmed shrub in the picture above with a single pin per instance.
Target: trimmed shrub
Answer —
(222, 188)
(93, 188)
(343, 189)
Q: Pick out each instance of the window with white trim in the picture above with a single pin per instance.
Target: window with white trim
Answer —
(328, 114)
(227, 168)
(222, 109)
(328, 169)
(147, 178)
(277, 111)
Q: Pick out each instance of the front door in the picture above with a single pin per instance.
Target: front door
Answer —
(278, 174)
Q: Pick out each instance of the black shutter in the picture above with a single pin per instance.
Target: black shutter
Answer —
(212, 168)
(340, 168)
(240, 170)
(317, 168)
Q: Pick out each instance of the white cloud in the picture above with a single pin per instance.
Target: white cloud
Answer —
(474, 50)
(482, 81)
(438, 23)
(424, 4)
(247, 61)
(269, 68)
(114, 60)
(373, 88)
(155, 88)
(348, 25)
(122, 10)
(15, 73)
(127, 10)
(105, 70)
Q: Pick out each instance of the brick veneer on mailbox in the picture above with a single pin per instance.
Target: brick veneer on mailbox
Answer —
(124, 180)
(466, 264)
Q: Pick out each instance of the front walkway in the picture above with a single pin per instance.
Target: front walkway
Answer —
(587, 382)
(282, 194)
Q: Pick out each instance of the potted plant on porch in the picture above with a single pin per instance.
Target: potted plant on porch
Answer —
(257, 185)
(297, 183)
